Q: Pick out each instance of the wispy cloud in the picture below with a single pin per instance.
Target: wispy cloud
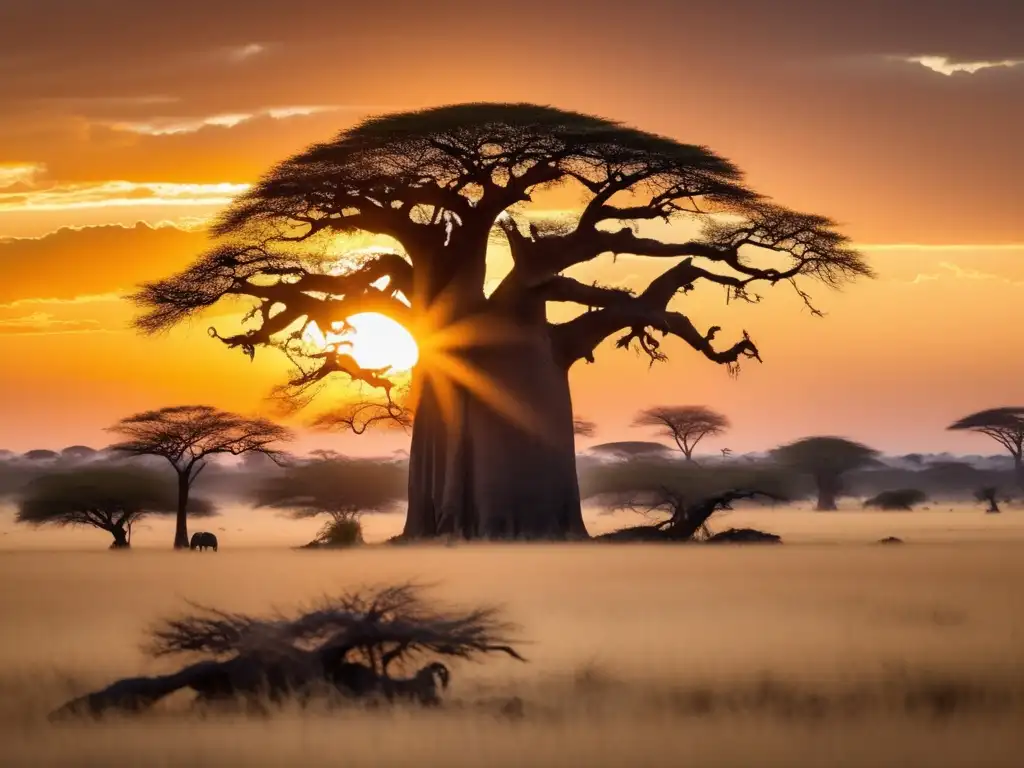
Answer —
(170, 126)
(980, 247)
(96, 298)
(12, 174)
(957, 272)
(123, 194)
(45, 323)
(184, 223)
(241, 53)
(944, 66)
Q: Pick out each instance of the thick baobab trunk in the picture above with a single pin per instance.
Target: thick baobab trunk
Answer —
(181, 520)
(828, 490)
(493, 454)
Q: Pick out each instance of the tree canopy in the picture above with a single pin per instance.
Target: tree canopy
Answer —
(825, 455)
(687, 425)
(186, 435)
(1004, 425)
(338, 486)
(827, 459)
(438, 184)
(109, 498)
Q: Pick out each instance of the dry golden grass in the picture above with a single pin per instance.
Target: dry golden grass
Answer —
(845, 654)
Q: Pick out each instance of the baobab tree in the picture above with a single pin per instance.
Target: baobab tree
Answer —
(826, 459)
(187, 435)
(111, 499)
(687, 425)
(492, 452)
(1005, 426)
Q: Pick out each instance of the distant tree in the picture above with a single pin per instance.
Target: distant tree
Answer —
(441, 184)
(826, 459)
(902, 499)
(988, 496)
(112, 499)
(583, 427)
(625, 449)
(686, 424)
(187, 435)
(684, 519)
(78, 452)
(338, 487)
(615, 484)
(40, 454)
(1004, 425)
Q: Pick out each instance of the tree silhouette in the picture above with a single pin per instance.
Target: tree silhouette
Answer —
(436, 188)
(626, 449)
(988, 495)
(1005, 426)
(686, 424)
(339, 487)
(40, 454)
(901, 499)
(186, 435)
(112, 499)
(827, 459)
(583, 427)
(78, 453)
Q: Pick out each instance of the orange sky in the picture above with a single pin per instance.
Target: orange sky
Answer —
(116, 112)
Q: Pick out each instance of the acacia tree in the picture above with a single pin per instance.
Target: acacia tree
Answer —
(112, 499)
(339, 487)
(686, 424)
(186, 435)
(583, 427)
(1005, 426)
(826, 459)
(490, 393)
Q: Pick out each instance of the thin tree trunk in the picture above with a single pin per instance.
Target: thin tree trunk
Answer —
(1018, 470)
(828, 490)
(500, 464)
(181, 521)
(120, 538)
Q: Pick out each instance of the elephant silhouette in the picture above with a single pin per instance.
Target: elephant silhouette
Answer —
(203, 540)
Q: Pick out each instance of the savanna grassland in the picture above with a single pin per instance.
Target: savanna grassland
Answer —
(828, 650)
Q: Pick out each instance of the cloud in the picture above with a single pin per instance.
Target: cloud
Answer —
(68, 197)
(242, 52)
(45, 323)
(70, 264)
(940, 246)
(19, 174)
(169, 126)
(944, 66)
(961, 273)
(95, 298)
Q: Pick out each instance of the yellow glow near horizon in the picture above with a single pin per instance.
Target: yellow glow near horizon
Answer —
(374, 340)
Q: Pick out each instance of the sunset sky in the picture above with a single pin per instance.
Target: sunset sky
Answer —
(125, 124)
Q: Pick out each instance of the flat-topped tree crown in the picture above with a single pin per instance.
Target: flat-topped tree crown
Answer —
(439, 186)
(827, 459)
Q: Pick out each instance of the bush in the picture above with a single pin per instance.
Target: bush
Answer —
(902, 499)
(340, 532)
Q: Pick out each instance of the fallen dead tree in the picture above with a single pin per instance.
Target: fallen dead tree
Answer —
(348, 645)
(686, 521)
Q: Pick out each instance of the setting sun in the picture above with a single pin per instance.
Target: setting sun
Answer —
(374, 340)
